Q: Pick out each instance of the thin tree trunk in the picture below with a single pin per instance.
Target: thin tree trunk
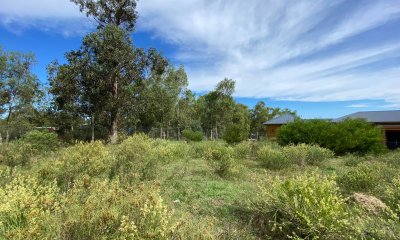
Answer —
(92, 125)
(114, 129)
(7, 136)
(178, 133)
(114, 114)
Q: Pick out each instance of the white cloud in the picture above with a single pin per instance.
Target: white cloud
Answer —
(359, 105)
(254, 41)
(59, 16)
(262, 44)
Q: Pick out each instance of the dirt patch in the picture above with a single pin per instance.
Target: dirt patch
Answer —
(370, 203)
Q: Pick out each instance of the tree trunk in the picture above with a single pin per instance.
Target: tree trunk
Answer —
(8, 123)
(178, 133)
(114, 129)
(92, 125)
(114, 114)
(7, 136)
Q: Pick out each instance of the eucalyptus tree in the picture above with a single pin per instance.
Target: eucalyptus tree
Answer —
(19, 87)
(164, 87)
(217, 108)
(102, 75)
(121, 13)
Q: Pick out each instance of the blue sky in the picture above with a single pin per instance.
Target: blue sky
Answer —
(323, 58)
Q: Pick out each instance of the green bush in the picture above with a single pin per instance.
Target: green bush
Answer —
(29, 210)
(300, 155)
(309, 206)
(132, 160)
(392, 195)
(246, 149)
(348, 136)
(308, 154)
(91, 159)
(235, 133)
(41, 141)
(194, 136)
(16, 154)
(198, 149)
(273, 158)
(365, 177)
(220, 158)
(106, 210)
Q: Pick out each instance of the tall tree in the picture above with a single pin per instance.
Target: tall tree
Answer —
(103, 72)
(161, 95)
(19, 87)
(3, 64)
(217, 108)
(121, 13)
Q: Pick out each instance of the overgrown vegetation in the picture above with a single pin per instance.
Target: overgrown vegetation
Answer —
(146, 188)
(347, 136)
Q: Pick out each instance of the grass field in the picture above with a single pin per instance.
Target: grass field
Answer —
(154, 189)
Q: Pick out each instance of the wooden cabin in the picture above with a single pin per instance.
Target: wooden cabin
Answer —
(389, 121)
(273, 125)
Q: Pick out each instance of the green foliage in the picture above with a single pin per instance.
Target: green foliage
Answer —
(235, 133)
(246, 149)
(392, 195)
(91, 159)
(41, 141)
(303, 154)
(106, 12)
(16, 153)
(27, 209)
(134, 213)
(220, 158)
(131, 163)
(194, 136)
(348, 136)
(275, 157)
(365, 177)
(19, 89)
(309, 206)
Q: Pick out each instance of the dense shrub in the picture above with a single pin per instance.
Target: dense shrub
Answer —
(194, 136)
(132, 161)
(300, 155)
(220, 158)
(165, 151)
(365, 177)
(392, 195)
(235, 133)
(41, 141)
(246, 149)
(198, 149)
(29, 210)
(273, 158)
(16, 154)
(103, 210)
(91, 159)
(305, 207)
(307, 154)
(348, 136)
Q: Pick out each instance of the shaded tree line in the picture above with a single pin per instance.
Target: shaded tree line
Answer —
(110, 86)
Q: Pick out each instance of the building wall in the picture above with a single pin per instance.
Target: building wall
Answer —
(393, 131)
(272, 131)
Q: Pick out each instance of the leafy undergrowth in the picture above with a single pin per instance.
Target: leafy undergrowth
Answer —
(153, 189)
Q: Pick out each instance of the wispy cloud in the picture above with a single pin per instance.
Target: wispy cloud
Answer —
(294, 50)
(60, 16)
